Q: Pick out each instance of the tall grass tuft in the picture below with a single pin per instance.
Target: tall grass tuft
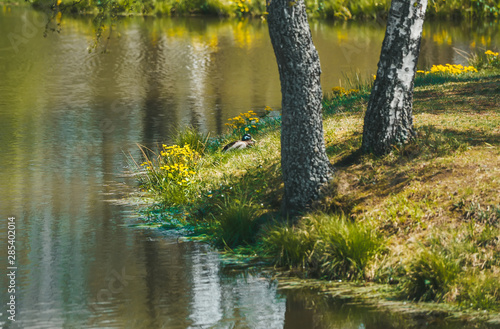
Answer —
(479, 291)
(430, 276)
(329, 245)
(346, 247)
(170, 173)
(237, 223)
(292, 246)
(197, 140)
(484, 60)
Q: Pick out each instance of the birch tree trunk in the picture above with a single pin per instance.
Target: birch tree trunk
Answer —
(304, 162)
(389, 117)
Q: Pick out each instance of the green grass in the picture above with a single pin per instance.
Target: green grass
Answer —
(197, 140)
(237, 223)
(326, 245)
(430, 276)
(347, 247)
(479, 291)
(291, 246)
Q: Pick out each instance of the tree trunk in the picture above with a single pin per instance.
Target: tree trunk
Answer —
(388, 118)
(304, 162)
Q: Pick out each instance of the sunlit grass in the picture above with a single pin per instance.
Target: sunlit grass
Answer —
(430, 276)
(346, 247)
(194, 138)
(236, 221)
(329, 245)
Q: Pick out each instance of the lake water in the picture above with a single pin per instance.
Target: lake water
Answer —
(68, 120)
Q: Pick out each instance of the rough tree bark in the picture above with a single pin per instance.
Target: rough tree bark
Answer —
(304, 162)
(388, 119)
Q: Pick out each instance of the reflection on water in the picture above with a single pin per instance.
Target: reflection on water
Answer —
(305, 309)
(68, 120)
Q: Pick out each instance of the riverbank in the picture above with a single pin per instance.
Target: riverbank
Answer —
(423, 220)
(329, 9)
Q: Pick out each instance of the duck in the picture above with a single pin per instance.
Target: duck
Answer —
(246, 141)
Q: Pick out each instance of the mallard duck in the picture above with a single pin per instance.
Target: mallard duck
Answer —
(246, 141)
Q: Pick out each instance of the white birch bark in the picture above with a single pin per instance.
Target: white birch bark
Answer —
(389, 118)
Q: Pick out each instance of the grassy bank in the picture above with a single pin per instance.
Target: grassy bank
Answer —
(331, 9)
(425, 219)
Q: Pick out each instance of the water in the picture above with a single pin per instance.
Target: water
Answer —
(68, 121)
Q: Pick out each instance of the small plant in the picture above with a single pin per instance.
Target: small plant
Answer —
(347, 247)
(170, 173)
(246, 122)
(473, 210)
(487, 60)
(291, 245)
(236, 224)
(196, 140)
(340, 92)
(430, 276)
(479, 291)
(240, 7)
(448, 69)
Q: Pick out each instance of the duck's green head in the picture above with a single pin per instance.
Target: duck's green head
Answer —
(246, 137)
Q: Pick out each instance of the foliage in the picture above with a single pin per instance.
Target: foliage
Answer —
(170, 173)
(237, 222)
(193, 138)
(479, 291)
(487, 60)
(290, 245)
(439, 74)
(246, 122)
(347, 247)
(340, 92)
(345, 10)
(448, 69)
(330, 245)
(478, 9)
(430, 276)
(243, 123)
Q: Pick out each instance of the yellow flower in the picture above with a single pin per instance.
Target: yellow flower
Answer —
(452, 69)
(489, 52)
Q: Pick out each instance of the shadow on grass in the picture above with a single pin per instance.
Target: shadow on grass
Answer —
(345, 104)
(437, 79)
(474, 97)
(390, 174)
(261, 183)
(431, 142)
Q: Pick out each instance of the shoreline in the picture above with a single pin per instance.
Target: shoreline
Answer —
(239, 9)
